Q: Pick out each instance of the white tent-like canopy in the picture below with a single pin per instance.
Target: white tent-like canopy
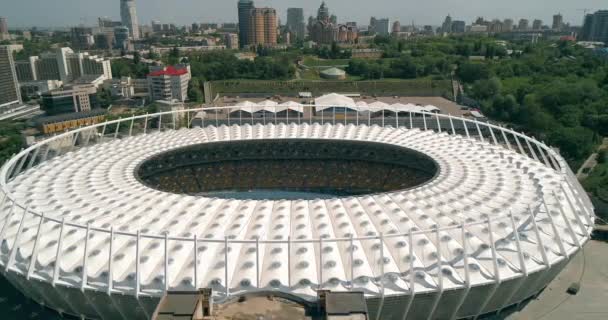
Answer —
(269, 106)
(332, 100)
(246, 106)
(291, 105)
(379, 106)
(362, 106)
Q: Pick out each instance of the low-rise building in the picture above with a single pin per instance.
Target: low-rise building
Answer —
(168, 83)
(71, 99)
(38, 87)
(333, 74)
(367, 53)
(64, 122)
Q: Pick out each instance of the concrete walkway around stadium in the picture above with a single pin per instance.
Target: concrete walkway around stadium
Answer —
(590, 268)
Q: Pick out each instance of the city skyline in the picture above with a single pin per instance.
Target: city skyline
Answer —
(25, 13)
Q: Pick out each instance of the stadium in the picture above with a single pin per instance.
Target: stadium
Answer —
(430, 216)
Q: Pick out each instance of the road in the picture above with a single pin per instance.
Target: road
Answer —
(588, 268)
(591, 162)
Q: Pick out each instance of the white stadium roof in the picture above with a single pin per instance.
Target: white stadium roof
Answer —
(476, 181)
(82, 233)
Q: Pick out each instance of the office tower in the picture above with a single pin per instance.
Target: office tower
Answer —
(295, 22)
(9, 87)
(458, 26)
(558, 22)
(270, 26)
(128, 15)
(263, 27)
(107, 23)
(244, 7)
(596, 27)
(537, 24)
(372, 25)
(104, 40)
(524, 24)
(495, 26)
(4, 35)
(157, 26)
(82, 38)
(508, 25)
(446, 27)
(396, 27)
(382, 27)
(121, 35)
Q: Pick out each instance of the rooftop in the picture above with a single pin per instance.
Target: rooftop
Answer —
(169, 71)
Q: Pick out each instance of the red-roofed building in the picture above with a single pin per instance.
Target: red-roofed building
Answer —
(169, 83)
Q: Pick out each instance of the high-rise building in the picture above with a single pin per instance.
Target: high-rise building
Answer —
(121, 35)
(295, 22)
(104, 40)
(262, 27)
(323, 12)
(244, 7)
(107, 23)
(523, 24)
(9, 87)
(4, 35)
(157, 26)
(382, 27)
(82, 38)
(596, 27)
(458, 26)
(537, 24)
(396, 27)
(128, 15)
(558, 22)
(507, 25)
(446, 27)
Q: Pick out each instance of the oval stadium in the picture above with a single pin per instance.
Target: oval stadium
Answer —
(429, 216)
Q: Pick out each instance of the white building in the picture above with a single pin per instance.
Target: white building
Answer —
(167, 83)
(64, 64)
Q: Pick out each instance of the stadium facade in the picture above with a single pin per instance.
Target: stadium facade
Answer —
(431, 216)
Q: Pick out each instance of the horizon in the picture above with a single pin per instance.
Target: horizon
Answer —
(24, 13)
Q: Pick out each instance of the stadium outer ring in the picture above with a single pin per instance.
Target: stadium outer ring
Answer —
(77, 295)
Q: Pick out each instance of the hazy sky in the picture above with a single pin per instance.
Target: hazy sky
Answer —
(56, 13)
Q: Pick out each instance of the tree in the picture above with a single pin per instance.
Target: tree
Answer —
(485, 89)
(471, 72)
(404, 68)
(195, 93)
(136, 57)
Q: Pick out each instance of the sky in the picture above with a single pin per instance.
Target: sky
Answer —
(61, 13)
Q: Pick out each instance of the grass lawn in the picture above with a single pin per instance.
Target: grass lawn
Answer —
(313, 62)
(310, 74)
